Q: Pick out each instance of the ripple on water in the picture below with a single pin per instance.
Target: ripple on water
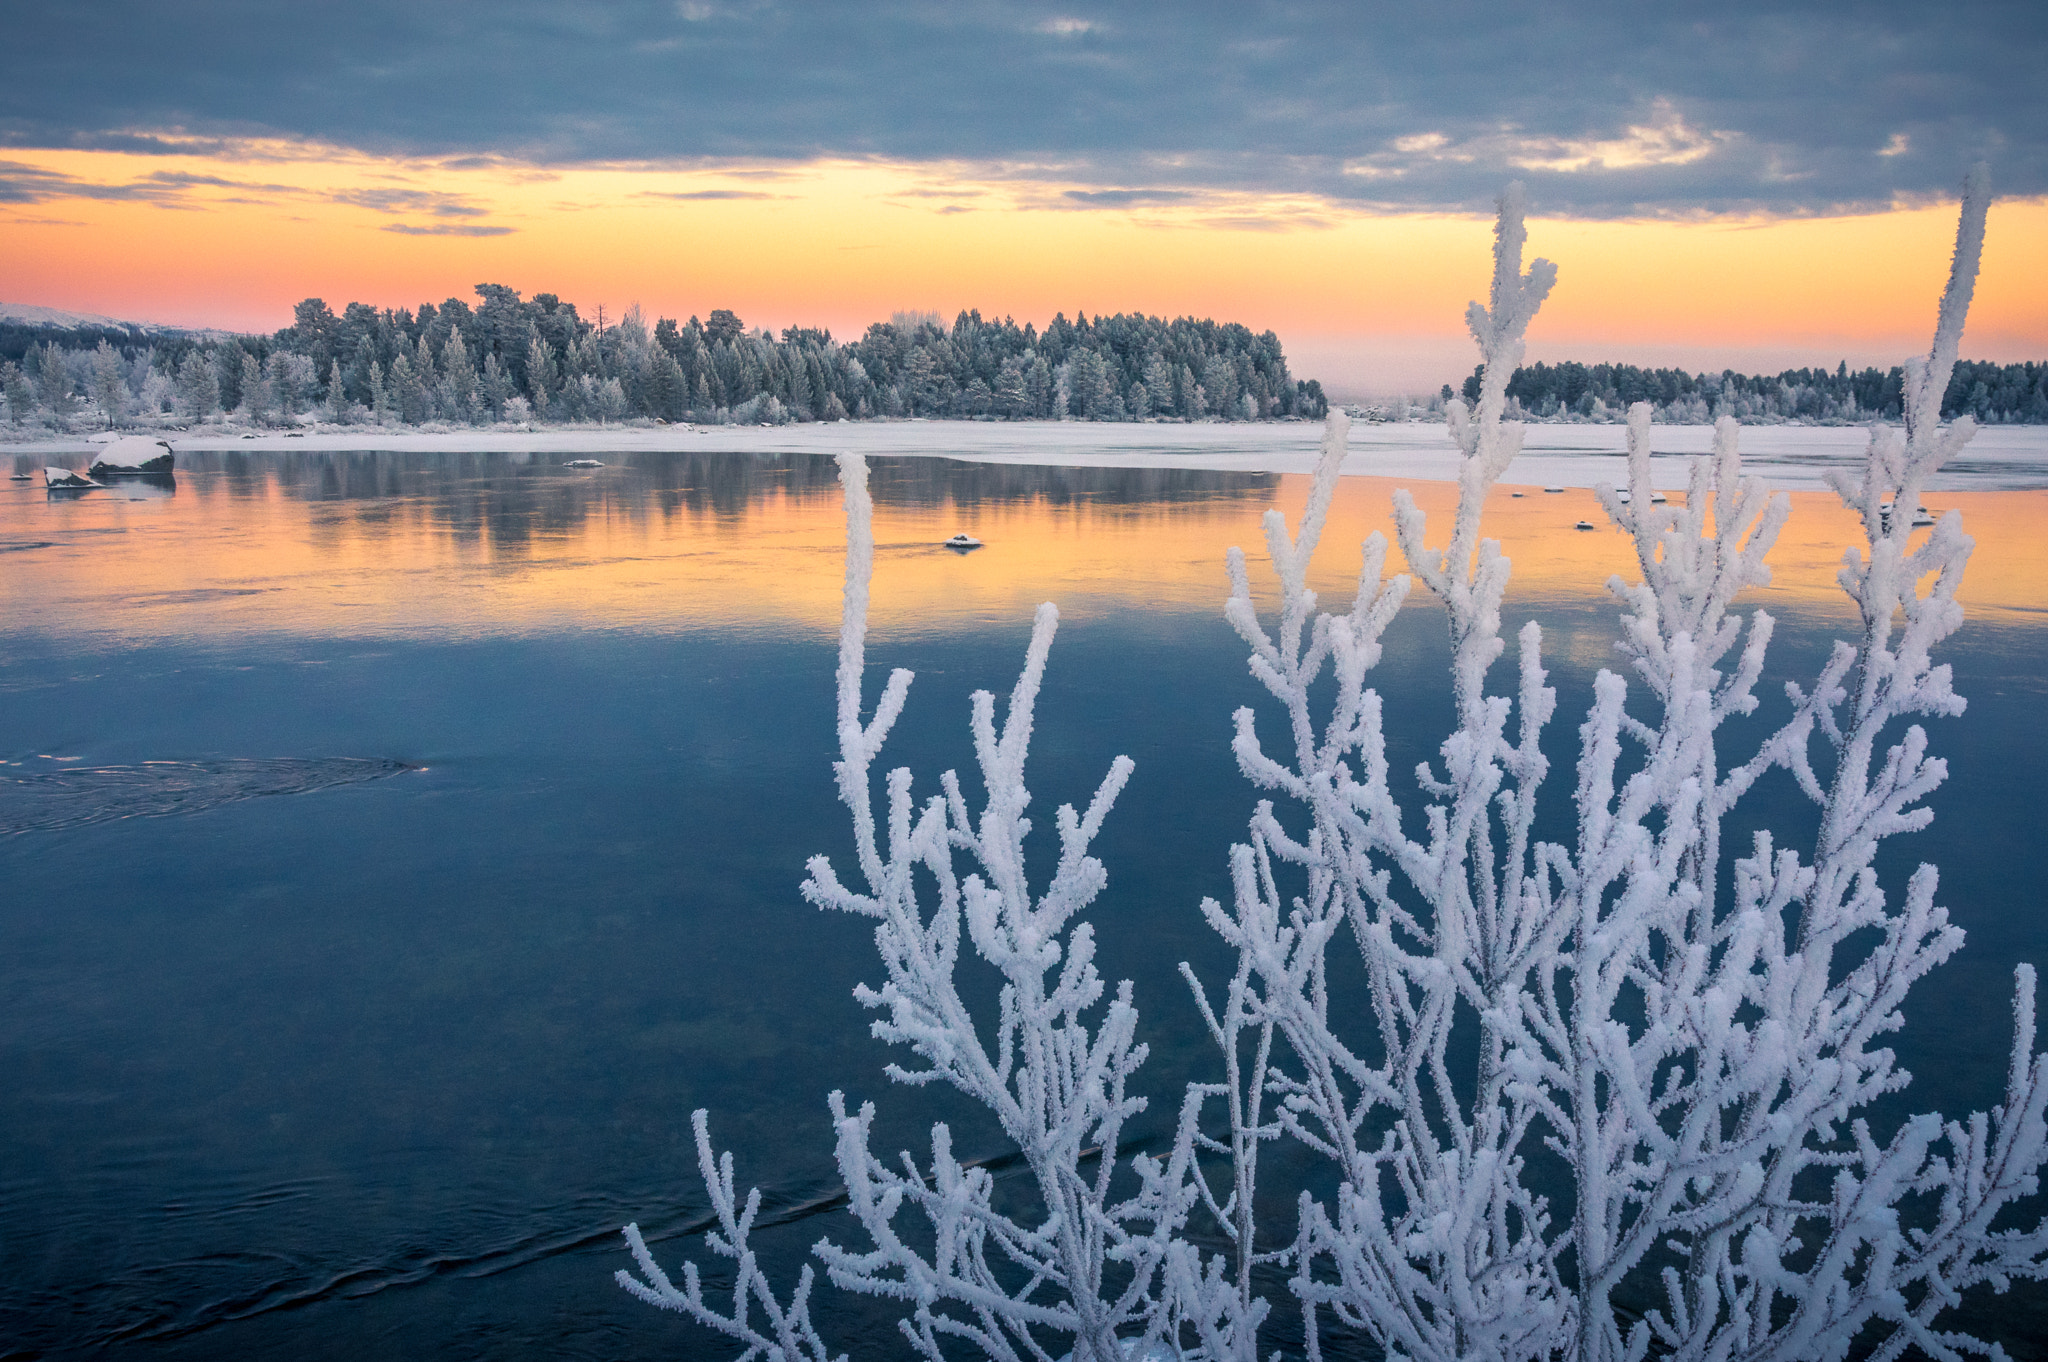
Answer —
(37, 800)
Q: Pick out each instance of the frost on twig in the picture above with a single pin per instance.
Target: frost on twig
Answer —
(1577, 1099)
(1097, 1261)
(784, 1333)
(1688, 1045)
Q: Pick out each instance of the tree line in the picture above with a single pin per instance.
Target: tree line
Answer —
(508, 358)
(1992, 393)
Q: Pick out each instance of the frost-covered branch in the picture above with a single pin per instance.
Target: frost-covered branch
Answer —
(1433, 1245)
(1099, 1257)
(785, 1333)
(1694, 1062)
(1553, 1081)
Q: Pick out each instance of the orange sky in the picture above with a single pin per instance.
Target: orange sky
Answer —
(1368, 303)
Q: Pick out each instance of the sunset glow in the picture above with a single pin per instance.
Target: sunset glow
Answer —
(1367, 301)
(630, 558)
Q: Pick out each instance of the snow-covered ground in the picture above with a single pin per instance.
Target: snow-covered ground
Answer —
(1556, 455)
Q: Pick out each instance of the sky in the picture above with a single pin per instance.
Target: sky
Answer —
(1736, 185)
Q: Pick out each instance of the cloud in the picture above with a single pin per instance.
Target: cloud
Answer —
(35, 184)
(1607, 108)
(1666, 140)
(185, 180)
(1125, 198)
(694, 195)
(397, 201)
(447, 229)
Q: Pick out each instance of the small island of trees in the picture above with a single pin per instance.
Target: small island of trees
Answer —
(517, 359)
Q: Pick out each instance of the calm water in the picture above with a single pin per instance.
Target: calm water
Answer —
(399, 847)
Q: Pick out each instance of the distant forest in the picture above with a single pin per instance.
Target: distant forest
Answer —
(1992, 393)
(513, 359)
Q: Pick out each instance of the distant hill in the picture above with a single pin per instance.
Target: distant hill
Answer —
(28, 324)
(30, 315)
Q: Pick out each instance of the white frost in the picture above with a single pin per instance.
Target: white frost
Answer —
(1684, 1038)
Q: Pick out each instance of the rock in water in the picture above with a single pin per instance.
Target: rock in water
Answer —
(133, 454)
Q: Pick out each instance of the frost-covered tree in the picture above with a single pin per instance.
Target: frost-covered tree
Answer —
(1552, 1079)
(54, 382)
(336, 394)
(289, 380)
(459, 382)
(198, 387)
(257, 395)
(408, 391)
(21, 397)
(1690, 1038)
(496, 388)
(159, 392)
(109, 384)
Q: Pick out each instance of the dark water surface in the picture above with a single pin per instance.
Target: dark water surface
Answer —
(394, 850)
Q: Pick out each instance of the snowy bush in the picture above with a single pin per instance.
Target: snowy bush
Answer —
(1629, 1065)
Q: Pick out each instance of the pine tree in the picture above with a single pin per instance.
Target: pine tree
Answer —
(460, 377)
(667, 391)
(408, 390)
(497, 387)
(255, 403)
(543, 377)
(800, 387)
(1219, 383)
(427, 373)
(1088, 381)
(1010, 394)
(109, 384)
(1038, 389)
(21, 398)
(1159, 384)
(198, 388)
(54, 378)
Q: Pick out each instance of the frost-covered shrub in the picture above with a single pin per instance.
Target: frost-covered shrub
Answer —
(1682, 1034)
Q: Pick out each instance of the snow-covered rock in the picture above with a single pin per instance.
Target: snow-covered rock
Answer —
(134, 454)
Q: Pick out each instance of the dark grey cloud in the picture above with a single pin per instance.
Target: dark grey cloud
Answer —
(1604, 108)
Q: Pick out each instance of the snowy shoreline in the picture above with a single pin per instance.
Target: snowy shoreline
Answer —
(1564, 455)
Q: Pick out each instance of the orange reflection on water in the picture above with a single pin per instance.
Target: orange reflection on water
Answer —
(361, 546)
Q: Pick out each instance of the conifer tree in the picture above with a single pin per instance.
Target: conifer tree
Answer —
(198, 388)
(1010, 397)
(109, 384)
(497, 387)
(408, 390)
(255, 403)
(54, 378)
(21, 398)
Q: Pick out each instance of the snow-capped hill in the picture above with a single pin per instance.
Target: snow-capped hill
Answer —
(30, 314)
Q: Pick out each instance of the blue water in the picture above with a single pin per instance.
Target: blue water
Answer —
(359, 971)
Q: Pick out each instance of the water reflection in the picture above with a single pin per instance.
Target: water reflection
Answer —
(389, 543)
